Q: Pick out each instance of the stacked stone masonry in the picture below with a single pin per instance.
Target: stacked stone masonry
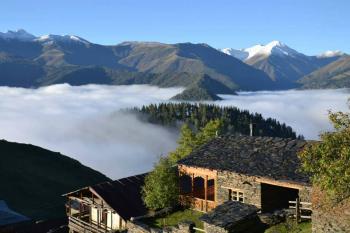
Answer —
(330, 218)
(248, 185)
(138, 227)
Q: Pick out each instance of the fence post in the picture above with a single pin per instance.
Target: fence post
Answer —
(297, 209)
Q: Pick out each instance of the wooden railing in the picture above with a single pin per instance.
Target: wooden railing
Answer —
(79, 225)
(303, 210)
(198, 229)
(197, 203)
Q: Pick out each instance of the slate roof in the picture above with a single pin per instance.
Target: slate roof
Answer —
(123, 195)
(269, 157)
(228, 214)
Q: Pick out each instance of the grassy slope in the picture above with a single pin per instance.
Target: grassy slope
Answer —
(175, 218)
(33, 179)
(290, 227)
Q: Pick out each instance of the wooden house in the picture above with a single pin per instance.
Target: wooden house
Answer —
(262, 171)
(105, 207)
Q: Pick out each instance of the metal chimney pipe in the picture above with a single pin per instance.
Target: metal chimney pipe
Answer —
(251, 128)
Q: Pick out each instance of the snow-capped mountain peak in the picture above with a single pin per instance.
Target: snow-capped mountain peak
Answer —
(331, 53)
(274, 47)
(22, 35)
(52, 38)
(19, 34)
(240, 54)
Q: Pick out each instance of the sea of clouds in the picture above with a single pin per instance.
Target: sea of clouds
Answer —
(84, 123)
(306, 111)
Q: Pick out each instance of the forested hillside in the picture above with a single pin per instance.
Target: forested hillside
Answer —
(235, 121)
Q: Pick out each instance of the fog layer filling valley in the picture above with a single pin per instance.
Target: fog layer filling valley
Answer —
(84, 123)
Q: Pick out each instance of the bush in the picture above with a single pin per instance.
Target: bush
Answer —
(328, 161)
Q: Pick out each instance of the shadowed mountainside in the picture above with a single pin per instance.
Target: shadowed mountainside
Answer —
(33, 179)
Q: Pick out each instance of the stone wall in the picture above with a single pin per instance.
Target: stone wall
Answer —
(328, 217)
(139, 227)
(305, 194)
(247, 184)
(214, 229)
(251, 225)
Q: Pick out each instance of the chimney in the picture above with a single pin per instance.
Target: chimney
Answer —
(251, 129)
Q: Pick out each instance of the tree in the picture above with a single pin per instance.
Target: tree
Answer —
(161, 186)
(189, 141)
(209, 131)
(234, 121)
(328, 161)
(186, 143)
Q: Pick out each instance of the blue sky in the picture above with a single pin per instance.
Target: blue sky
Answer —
(310, 26)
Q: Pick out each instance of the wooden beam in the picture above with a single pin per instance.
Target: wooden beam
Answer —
(286, 184)
(192, 185)
(202, 172)
(70, 207)
(206, 193)
(111, 220)
(90, 213)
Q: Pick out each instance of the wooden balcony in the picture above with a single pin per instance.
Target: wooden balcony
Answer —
(197, 203)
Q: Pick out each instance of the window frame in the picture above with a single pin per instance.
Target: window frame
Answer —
(239, 194)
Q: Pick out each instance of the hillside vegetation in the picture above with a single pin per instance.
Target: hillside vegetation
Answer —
(234, 120)
(33, 179)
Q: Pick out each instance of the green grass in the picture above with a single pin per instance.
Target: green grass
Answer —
(290, 227)
(176, 217)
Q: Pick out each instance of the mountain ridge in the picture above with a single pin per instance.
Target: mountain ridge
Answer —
(64, 59)
(283, 63)
(333, 75)
(33, 61)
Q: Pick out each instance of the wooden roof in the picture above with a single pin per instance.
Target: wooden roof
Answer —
(273, 158)
(122, 195)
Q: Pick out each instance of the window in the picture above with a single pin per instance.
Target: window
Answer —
(104, 217)
(235, 195)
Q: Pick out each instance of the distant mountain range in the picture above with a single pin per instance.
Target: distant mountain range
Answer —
(30, 61)
(283, 63)
(333, 75)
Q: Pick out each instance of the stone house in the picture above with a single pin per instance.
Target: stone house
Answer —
(261, 171)
(242, 174)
